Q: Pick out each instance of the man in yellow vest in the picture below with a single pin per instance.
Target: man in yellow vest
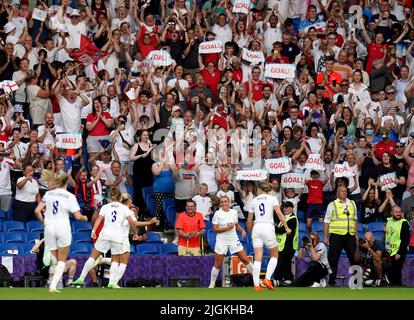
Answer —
(397, 238)
(287, 245)
(342, 224)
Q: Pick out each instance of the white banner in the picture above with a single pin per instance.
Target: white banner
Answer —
(69, 140)
(279, 71)
(8, 86)
(241, 6)
(210, 47)
(342, 170)
(160, 58)
(293, 180)
(255, 57)
(254, 175)
(388, 181)
(39, 14)
(320, 26)
(314, 162)
(145, 65)
(131, 94)
(278, 166)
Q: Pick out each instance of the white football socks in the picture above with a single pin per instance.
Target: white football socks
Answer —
(213, 276)
(271, 266)
(256, 272)
(58, 274)
(120, 272)
(112, 273)
(86, 268)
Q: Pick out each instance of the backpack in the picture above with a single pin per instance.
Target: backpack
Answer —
(5, 277)
(141, 282)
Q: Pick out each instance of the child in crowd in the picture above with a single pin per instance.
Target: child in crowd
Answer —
(203, 202)
(315, 199)
(225, 191)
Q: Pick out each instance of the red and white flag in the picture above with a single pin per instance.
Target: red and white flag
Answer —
(88, 52)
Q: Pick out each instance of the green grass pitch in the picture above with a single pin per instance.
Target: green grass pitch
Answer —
(402, 293)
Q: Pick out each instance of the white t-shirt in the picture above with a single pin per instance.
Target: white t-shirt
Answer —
(224, 34)
(75, 32)
(263, 207)
(5, 186)
(207, 175)
(49, 139)
(59, 204)
(223, 219)
(115, 214)
(229, 194)
(71, 114)
(128, 136)
(20, 94)
(20, 24)
(271, 35)
(183, 84)
(28, 192)
(203, 205)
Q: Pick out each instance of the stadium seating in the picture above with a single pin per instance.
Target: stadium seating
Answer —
(153, 237)
(379, 235)
(79, 226)
(317, 226)
(3, 215)
(169, 249)
(211, 239)
(31, 237)
(27, 250)
(302, 226)
(12, 225)
(148, 249)
(80, 249)
(150, 204)
(301, 215)
(209, 225)
(10, 249)
(83, 236)
(15, 237)
(376, 226)
(34, 226)
(166, 203)
(171, 215)
(1, 225)
(132, 249)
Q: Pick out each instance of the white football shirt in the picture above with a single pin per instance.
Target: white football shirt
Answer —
(223, 219)
(59, 204)
(263, 207)
(115, 214)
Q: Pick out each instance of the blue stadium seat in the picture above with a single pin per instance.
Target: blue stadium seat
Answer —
(146, 191)
(301, 215)
(31, 237)
(83, 236)
(10, 249)
(150, 204)
(302, 226)
(15, 237)
(209, 225)
(12, 225)
(171, 215)
(149, 249)
(153, 237)
(242, 224)
(379, 235)
(3, 214)
(166, 203)
(27, 250)
(34, 226)
(1, 225)
(376, 226)
(79, 226)
(211, 239)
(80, 249)
(1, 237)
(169, 249)
(317, 226)
(132, 249)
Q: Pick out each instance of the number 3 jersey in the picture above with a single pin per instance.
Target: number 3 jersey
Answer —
(115, 214)
(262, 206)
(59, 204)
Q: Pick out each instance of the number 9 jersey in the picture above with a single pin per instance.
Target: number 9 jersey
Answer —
(263, 207)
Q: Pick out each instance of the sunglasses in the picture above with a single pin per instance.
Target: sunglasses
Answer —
(344, 85)
(392, 92)
(399, 146)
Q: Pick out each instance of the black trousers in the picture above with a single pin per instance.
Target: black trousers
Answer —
(336, 244)
(315, 272)
(396, 270)
(284, 265)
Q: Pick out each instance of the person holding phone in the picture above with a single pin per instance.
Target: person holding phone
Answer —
(329, 79)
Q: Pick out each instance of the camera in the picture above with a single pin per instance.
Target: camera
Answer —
(306, 240)
(362, 241)
(369, 145)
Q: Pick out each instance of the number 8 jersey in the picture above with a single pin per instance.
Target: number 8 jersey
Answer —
(263, 206)
(59, 204)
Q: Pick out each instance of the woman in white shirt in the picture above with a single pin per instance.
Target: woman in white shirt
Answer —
(27, 196)
(225, 224)
(316, 140)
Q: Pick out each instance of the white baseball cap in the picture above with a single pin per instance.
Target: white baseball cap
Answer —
(9, 27)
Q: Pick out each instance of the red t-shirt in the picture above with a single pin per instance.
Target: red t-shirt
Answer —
(333, 78)
(315, 195)
(4, 136)
(281, 59)
(375, 52)
(210, 57)
(100, 128)
(238, 75)
(146, 49)
(382, 147)
(190, 224)
(211, 79)
(144, 30)
(257, 89)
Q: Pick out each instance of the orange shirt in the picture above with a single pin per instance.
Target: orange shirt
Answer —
(190, 224)
(334, 78)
